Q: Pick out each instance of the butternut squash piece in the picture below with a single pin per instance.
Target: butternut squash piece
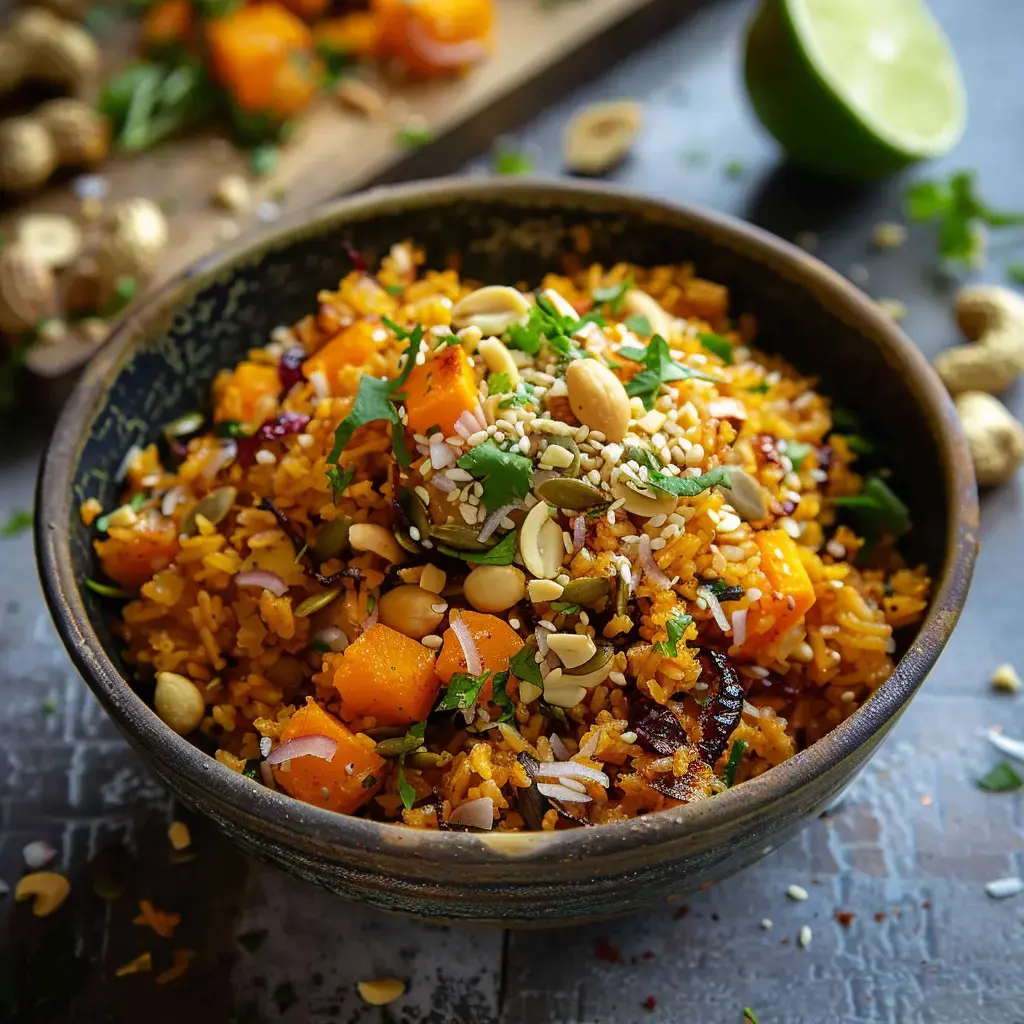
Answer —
(435, 37)
(388, 676)
(132, 555)
(351, 346)
(240, 393)
(792, 591)
(330, 784)
(356, 34)
(168, 23)
(496, 642)
(440, 391)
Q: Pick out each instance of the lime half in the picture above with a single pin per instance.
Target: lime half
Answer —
(855, 88)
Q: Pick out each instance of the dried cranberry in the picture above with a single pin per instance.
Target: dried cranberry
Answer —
(787, 507)
(289, 369)
(605, 951)
(657, 728)
(273, 430)
(721, 714)
(358, 263)
(765, 447)
(826, 457)
(774, 686)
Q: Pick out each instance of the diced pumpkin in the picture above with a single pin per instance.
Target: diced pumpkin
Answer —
(132, 555)
(168, 23)
(388, 676)
(240, 393)
(440, 391)
(342, 784)
(263, 55)
(356, 34)
(496, 642)
(351, 346)
(307, 9)
(435, 37)
(792, 592)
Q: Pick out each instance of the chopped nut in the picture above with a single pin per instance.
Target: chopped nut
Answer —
(573, 649)
(598, 398)
(47, 889)
(993, 318)
(1006, 679)
(232, 193)
(51, 239)
(600, 136)
(994, 435)
(27, 289)
(381, 991)
(179, 835)
(888, 235)
(544, 590)
(80, 133)
(28, 155)
(797, 892)
(360, 96)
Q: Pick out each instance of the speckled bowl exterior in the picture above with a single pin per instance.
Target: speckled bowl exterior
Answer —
(163, 358)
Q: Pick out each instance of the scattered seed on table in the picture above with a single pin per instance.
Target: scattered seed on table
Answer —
(797, 892)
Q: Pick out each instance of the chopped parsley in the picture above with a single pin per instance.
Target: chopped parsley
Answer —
(736, 752)
(506, 476)
(877, 506)
(1002, 779)
(717, 345)
(546, 322)
(415, 136)
(661, 368)
(463, 690)
(230, 428)
(252, 941)
(613, 295)
(691, 486)
(499, 384)
(509, 160)
(137, 501)
(565, 607)
(639, 325)
(17, 522)
(375, 401)
(960, 214)
(675, 627)
(339, 479)
(525, 668)
(796, 452)
(524, 395)
(501, 554)
(263, 159)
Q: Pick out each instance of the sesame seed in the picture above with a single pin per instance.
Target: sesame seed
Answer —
(658, 520)
(414, 533)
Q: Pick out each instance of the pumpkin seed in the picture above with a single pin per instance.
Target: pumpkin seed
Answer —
(463, 538)
(576, 495)
(415, 510)
(214, 507)
(643, 503)
(573, 469)
(493, 308)
(593, 671)
(746, 495)
(183, 426)
(398, 746)
(586, 590)
(621, 596)
(332, 538)
(642, 457)
(315, 602)
(421, 759)
(406, 542)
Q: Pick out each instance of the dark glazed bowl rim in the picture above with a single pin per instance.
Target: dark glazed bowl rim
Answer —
(240, 798)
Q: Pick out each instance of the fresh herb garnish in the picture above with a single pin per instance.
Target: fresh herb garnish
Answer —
(17, 522)
(500, 697)
(545, 321)
(759, 389)
(415, 732)
(375, 401)
(691, 486)
(1002, 779)
(335, 60)
(508, 160)
(613, 295)
(49, 706)
(136, 502)
(506, 476)
(878, 507)
(230, 428)
(960, 213)
(736, 752)
(415, 136)
(106, 590)
(462, 692)
(859, 445)
(639, 324)
(252, 941)
(525, 668)
(716, 344)
(750, 1016)
(661, 368)
(339, 479)
(125, 289)
(720, 589)
(524, 395)
(502, 553)
(796, 452)
(675, 627)
(263, 159)
(643, 457)
(499, 384)
(566, 607)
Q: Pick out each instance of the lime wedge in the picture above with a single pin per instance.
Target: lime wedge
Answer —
(855, 88)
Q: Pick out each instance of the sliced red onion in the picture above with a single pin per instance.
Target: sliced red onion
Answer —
(38, 854)
(579, 533)
(573, 770)
(261, 578)
(440, 54)
(541, 635)
(313, 745)
(333, 637)
(558, 748)
(227, 451)
(1013, 748)
(650, 566)
(555, 791)
(716, 608)
(371, 618)
(493, 521)
(739, 627)
(477, 813)
(467, 425)
(441, 455)
(474, 666)
(125, 464)
(171, 500)
(267, 776)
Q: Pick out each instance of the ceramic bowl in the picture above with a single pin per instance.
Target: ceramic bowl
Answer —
(162, 359)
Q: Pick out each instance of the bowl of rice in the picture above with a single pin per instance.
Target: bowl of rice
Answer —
(508, 551)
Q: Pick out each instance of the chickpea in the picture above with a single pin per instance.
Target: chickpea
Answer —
(178, 702)
(494, 588)
(412, 610)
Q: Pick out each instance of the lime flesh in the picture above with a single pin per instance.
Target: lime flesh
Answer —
(855, 88)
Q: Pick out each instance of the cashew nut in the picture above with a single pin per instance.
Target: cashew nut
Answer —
(376, 539)
(46, 889)
(994, 436)
(993, 318)
(638, 303)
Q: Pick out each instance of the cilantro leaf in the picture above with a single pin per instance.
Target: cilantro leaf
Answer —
(877, 506)
(501, 554)
(736, 752)
(525, 668)
(405, 789)
(524, 395)
(643, 457)
(499, 384)
(339, 479)
(639, 325)
(717, 345)
(546, 322)
(660, 369)
(612, 294)
(17, 522)
(720, 589)
(565, 607)
(675, 627)
(506, 475)
(1002, 779)
(796, 452)
(691, 486)
(759, 389)
(501, 698)
(508, 160)
(462, 692)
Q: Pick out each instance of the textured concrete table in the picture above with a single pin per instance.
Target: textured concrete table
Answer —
(905, 856)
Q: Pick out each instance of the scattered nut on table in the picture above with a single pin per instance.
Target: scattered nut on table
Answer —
(80, 133)
(600, 136)
(992, 318)
(50, 238)
(57, 51)
(27, 289)
(994, 436)
(28, 155)
(232, 193)
(136, 238)
(360, 96)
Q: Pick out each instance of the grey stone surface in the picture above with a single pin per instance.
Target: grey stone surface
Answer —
(912, 843)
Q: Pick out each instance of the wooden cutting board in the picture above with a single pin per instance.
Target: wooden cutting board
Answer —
(540, 45)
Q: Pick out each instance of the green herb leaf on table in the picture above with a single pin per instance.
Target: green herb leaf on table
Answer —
(414, 136)
(264, 159)
(1002, 779)
(878, 507)
(506, 476)
(749, 1016)
(717, 345)
(17, 522)
(508, 160)
(736, 752)
(503, 553)
(462, 692)
(691, 486)
(613, 295)
(661, 368)
(639, 325)
(523, 667)
(676, 628)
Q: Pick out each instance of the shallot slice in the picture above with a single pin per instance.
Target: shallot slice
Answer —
(477, 813)
(556, 791)
(650, 566)
(579, 533)
(715, 607)
(313, 745)
(573, 770)
(261, 578)
(493, 521)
